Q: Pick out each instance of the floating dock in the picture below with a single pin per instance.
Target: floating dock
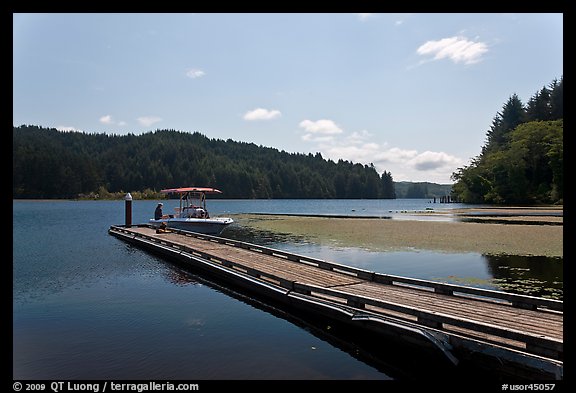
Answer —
(516, 335)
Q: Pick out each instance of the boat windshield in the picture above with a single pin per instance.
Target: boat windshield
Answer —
(195, 199)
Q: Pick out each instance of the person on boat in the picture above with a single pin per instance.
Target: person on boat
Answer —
(199, 212)
(158, 212)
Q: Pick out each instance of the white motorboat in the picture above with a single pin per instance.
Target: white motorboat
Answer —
(192, 215)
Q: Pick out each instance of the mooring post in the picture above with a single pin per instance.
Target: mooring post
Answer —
(128, 210)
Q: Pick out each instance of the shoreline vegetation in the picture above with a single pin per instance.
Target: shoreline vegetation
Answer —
(524, 231)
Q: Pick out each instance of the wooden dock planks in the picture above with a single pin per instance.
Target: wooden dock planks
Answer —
(540, 331)
(536, 322)
(289, 270)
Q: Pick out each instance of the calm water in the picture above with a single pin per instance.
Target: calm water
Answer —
(88, 306)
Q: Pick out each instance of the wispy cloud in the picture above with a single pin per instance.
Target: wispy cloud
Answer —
(194, 73)
(262, 114)
(457, 49)
(147, 121)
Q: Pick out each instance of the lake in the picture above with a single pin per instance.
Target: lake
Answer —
(89, 306)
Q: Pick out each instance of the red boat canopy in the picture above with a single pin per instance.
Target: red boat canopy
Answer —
(192, 189)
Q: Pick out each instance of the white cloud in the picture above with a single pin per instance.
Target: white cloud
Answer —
(319, 131)
(195, 73)
(430, 160)
(395, 154)
(262, 114)
(324, 126)
(147, 121)
(457, 49)
(106, 119)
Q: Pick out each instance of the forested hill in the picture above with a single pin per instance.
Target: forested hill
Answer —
(48, 163)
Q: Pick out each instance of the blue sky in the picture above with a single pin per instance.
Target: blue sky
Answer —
(414, 94)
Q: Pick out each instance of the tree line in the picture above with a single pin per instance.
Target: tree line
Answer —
(48, 163)
(522, 160)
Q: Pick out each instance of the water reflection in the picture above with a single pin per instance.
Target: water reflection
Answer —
(180, 278)
(393, 358)
(528, 275)
(260, 237)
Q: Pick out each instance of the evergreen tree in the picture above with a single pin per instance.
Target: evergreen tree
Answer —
(557, 99)
(388, 191)
(538, 107)
(510, 117)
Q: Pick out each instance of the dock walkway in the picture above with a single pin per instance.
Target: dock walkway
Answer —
(459, 320)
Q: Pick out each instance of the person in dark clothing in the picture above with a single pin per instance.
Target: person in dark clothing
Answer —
(162, 228)
(158, 212)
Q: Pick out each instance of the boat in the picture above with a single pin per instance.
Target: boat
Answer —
(192, 215)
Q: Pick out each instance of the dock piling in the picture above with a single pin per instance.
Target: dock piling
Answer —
(128, 210)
